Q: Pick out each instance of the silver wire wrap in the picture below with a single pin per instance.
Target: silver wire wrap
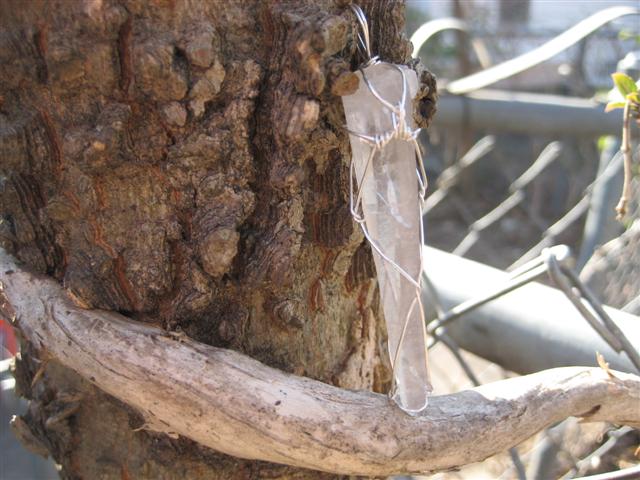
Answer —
(364, 45)
(377, 142)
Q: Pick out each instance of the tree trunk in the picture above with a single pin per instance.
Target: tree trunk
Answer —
(184, 163)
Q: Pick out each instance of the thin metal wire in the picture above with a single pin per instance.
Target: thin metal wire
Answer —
(472, 304)
(550, 234)
(377, 142)
(554, 262)
(364, 43)
(608, 323)
(517, 195)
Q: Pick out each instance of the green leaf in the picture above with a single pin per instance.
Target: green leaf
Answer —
(614, 105)
(602, 142)
(633, 97)
(624, 83)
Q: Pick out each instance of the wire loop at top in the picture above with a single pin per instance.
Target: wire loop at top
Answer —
(364, 43)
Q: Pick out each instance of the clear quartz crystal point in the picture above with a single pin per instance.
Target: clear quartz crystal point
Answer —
(391, 210)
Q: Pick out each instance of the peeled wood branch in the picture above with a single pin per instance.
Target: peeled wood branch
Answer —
(231, 403)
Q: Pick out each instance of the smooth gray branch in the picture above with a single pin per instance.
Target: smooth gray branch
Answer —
(232, 403)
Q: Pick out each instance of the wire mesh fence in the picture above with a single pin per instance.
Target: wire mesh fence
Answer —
(504, 199)
(570, 457)
(569, 449)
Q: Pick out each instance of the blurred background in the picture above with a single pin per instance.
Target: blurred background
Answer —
(508, 28)
(523, 157)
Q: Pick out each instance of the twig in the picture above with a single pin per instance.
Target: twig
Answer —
(621, 208)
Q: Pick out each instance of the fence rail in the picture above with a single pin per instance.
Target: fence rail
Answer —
(522, 326)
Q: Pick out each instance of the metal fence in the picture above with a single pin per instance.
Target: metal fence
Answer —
(511, 178)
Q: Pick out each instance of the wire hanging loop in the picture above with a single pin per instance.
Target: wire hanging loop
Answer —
(364, 43)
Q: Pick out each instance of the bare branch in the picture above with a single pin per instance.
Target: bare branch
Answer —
(229, 402)
(621, 208)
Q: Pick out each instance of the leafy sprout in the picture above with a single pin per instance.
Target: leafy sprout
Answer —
(628, 90)
(630, 102)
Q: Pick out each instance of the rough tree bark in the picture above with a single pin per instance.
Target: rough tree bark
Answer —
(183, 163)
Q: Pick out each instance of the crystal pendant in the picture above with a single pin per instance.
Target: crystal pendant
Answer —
(384, 166)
